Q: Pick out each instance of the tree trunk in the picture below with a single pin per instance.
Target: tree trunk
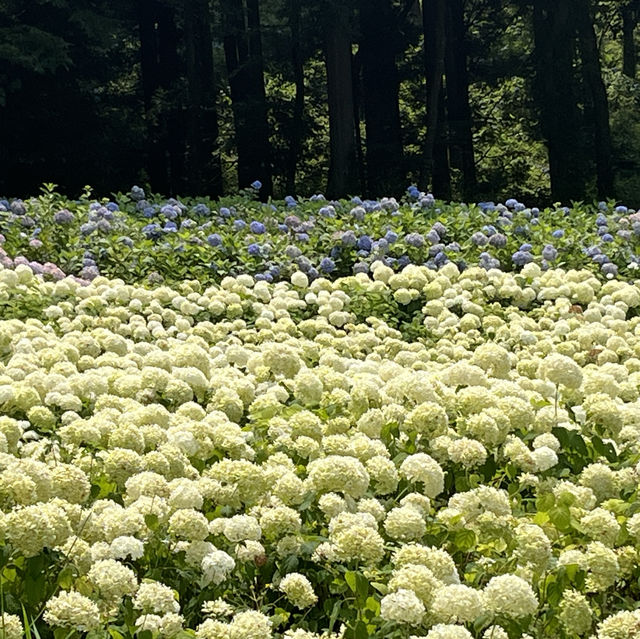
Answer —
(592, 74)
(204, 170)
(160, 67)
(295, 139)
(461, 155)
(377, 51)
(243, 55)
(560, 119)
(435, 147)
(629, 12)
(343, 170)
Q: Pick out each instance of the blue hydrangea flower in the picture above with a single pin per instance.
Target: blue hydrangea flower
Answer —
(290, 200)
(292, 251)
(225, 212)
(525, 247)
(112, 206)
(609, 269)
(327, 211)
(364, 243)
(414, 239)
(391, 237)
(327, 265)
(358, 212)
(187, 224)
(549, 252)
(201, 210)
(558, 233)
(440, 229)
(254, 249)
(136, 193)
(283, 228)
(454, 247)
(479, 239)
(257, 227)
(63, 217)
(520, 258)
(170, 227)
(349, 238)
(404, 260)
(607, 237)
(302, 237)
(169, 212)
(360, 267)
(238, 225)
(256, 184)
(433, 236)
(440, 258)
(498, 240)
(511, 203)
(214, 239)
(622, 210)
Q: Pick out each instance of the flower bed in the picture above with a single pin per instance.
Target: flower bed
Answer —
(135, 237)
(431, 453)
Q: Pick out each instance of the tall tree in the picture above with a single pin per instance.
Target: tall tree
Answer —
(435, 147)
(377, 52)
(461, 154)
(204, 171)
(296, 129)
(343, 166)
(562, 128)
(630, 10)
(161, 85)
(245, 69)
(596, 95)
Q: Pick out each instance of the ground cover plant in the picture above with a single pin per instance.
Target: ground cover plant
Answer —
(135, 237)
(248, 459)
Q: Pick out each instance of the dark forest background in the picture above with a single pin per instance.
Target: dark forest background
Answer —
(474, 99)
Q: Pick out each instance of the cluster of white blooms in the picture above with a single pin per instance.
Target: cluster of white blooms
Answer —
(262, 429)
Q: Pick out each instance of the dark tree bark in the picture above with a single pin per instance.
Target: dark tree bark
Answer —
(554, 34)
(461, 155)
(204, 170)
(629, 10)
(378, 47)
(295, 139)
(160, 66)
(243, 55)
(343, 170)
(435, 147)
(597, 93)
(356, 73)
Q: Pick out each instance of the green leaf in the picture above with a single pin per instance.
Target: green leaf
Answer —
(352, 580)
(465, 540)
(560, 518)
(545, 502)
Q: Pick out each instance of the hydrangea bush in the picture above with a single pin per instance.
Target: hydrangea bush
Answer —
(139, 236)
(255, 460)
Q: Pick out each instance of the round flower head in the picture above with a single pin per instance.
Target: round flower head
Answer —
(298, 590)
(560, 369)
(448, 631)
(72, 610)
(511, 596)
(402, 607)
